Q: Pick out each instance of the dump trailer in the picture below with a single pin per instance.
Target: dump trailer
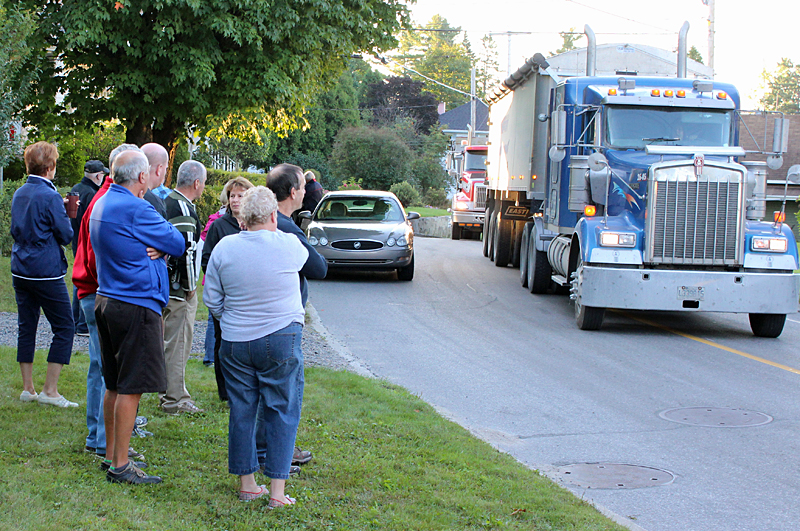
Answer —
(632, 192)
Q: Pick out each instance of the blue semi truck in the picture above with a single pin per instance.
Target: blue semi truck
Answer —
(633, 192)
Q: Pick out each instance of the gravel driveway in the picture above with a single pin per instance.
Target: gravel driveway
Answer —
(316, 350)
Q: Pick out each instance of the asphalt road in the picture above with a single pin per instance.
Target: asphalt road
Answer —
(514, 368)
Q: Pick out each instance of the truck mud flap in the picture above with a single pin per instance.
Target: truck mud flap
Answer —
(515, 213)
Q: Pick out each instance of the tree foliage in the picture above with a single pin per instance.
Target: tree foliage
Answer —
(397, 97)
(782, 88)
(16, 26)
(375, 158)
(694, 54)
(159, 65)
(487, 68)
(568, 40)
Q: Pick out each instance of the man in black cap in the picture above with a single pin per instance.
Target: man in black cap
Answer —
(93, 174)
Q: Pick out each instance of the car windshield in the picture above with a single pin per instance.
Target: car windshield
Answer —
(631, 127)
(359, 209)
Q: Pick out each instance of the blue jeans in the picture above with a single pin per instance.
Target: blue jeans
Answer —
(95, 384)
(209, 357)
(268, 370)
(77, 313)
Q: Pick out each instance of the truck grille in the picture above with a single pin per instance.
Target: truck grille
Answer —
(480, 196)
(696, 221)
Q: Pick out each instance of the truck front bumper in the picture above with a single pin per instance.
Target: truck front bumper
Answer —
(463, 217)
(700, 291)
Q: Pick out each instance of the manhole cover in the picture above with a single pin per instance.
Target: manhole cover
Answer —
(614, 476)
(715, 417)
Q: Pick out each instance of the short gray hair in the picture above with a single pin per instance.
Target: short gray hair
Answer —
(119, 149)
(129, 168)
(189, 172)
(258, 204)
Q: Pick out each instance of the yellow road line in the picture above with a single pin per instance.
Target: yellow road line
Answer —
(711, 343)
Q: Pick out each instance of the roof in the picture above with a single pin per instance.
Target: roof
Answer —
(458, 118)
(360, 193)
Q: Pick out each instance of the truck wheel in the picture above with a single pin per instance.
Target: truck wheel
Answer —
(485, 231)
(503, 241)
(539, 272)
(523, 254)
(767, 324)
(492, 230)
(587, 317)
(455, 231)
(407, 272)
(516, 254)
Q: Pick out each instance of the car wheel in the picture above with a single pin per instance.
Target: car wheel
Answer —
(407, 272)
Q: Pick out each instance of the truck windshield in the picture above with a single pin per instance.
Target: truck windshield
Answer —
(631, 127)
(474, 161)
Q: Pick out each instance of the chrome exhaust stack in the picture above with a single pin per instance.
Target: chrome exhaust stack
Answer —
(682, 51)
(591, 51)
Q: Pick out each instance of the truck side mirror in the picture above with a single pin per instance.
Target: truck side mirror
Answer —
(794, 174)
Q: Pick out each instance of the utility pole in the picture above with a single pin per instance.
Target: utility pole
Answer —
(509, 34)
(710, 4)
(472, 109)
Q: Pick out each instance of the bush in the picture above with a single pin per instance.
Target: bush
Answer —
(406, 193)
(436, 197)
(316, 161)
(375, 158)
(350, 184)
(6, 241)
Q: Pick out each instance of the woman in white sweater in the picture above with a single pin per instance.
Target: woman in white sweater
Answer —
(253, 288)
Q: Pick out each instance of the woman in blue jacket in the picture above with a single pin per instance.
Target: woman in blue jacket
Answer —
(40, 228)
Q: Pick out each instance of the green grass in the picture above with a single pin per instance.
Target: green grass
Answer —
(384, 461)
(426, 212)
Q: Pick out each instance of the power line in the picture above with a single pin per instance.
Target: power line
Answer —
(618, 16)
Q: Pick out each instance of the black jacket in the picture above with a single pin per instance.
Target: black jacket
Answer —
(86, 190)
(182, 215)
(157, 203)
(222, 226)
(316, 266)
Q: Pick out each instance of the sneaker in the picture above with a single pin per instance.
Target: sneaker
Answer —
(131, 475)
(294, 470)
(186, 407)
(141, 432)
(105, 466)
(301, 457)
(133, 454)
(29, 397)
(141, 421)
(58, 401)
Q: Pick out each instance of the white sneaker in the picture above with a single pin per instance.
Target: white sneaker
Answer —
(29, 397)
(58, 401)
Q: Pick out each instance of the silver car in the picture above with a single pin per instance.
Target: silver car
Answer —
(362, 229)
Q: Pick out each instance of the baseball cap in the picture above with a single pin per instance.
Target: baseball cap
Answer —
(94, 166)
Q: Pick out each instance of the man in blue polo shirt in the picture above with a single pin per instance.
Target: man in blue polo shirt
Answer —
(129, 238)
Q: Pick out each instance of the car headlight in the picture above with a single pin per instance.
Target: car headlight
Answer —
(772, 245)
(323, 241)
(391, 241)
(402, 241)
(313, 240)
(617, 239)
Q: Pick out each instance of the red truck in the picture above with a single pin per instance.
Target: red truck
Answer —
(469, 201)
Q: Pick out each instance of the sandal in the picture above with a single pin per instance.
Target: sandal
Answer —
(250, 496)
(275, 503)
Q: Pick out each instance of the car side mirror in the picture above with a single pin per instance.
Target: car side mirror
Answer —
(305, 214)
(412, 215)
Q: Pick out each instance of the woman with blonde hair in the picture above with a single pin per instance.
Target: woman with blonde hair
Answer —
(253, 289)
(227, 224)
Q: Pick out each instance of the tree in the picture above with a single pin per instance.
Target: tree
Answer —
(16, 26)
(160, 65)
(782, 88)
(436, 53)
(397, 97)
(375, 158)
(694, 54)
(486, 66)
(568, 40)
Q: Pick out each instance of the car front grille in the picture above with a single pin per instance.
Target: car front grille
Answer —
(357, 245)
(357, 261)
(695, 221)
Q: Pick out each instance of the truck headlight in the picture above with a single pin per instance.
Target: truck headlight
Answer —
(461, 205)
(772, 245)
(617, 239)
